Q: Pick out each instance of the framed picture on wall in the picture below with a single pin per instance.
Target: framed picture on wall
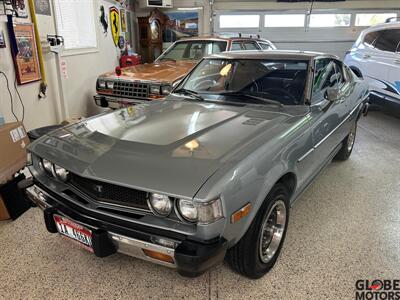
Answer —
(26, 60)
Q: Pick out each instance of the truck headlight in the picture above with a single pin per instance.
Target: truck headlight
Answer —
(47, 166)
(155, 89)
(187, 210)
(166, 89)
(160, 204)
(110, 84)
(61, 173)
(101, 83)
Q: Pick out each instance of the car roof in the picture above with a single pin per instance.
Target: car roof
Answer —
(383, 26)
(221, 38)
(271, 54)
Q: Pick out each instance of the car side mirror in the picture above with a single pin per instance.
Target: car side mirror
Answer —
(332, 94)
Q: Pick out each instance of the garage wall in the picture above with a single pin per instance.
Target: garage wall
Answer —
(67, 97)
(331, 40)
(37, 112)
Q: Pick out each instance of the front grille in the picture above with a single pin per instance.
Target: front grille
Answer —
(111, 193)
(131, 89)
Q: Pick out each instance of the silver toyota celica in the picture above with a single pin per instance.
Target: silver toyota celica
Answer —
(210, 172)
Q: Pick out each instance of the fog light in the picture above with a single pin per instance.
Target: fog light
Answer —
(160, 204)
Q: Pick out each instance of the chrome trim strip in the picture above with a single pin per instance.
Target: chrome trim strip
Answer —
(126, 245)
(330, 133)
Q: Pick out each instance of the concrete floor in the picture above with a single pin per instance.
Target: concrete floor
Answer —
(345, 227)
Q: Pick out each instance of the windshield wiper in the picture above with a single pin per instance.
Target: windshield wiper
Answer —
(242, 94)
(190, 93)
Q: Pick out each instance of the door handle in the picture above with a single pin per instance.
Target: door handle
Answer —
(366, 56)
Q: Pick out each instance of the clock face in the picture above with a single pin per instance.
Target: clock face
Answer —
(155, 30)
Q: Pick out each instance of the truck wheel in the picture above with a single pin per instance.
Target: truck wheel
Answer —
(256, 253)
(348, 144)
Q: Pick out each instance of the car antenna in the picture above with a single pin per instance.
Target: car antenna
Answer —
(309, 15)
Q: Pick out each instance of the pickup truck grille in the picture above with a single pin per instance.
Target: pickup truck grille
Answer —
(131, 89)
(110, 193)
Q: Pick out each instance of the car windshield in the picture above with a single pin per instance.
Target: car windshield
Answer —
(249, 80)
(193, 50)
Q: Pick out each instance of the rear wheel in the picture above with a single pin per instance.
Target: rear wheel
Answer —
(348, 144)
(256, 253)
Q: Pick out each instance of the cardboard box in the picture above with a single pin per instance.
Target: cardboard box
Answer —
(3, 211)
(13, 141)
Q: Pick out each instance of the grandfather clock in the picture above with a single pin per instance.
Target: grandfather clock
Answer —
(150, 35)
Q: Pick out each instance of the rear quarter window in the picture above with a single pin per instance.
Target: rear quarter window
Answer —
(370, 38)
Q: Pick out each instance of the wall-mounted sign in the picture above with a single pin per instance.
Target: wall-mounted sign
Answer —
(26, 60)
(115, 24)
(103, 20)
(42, 7)
(123, 20)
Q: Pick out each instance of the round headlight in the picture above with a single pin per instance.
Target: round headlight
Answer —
(101, 84)
(160, 204)
(61, 173)
(48, 166)
(166, 89)
(187, 210)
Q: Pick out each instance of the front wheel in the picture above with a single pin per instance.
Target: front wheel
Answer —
(256, 253)
(348, 144)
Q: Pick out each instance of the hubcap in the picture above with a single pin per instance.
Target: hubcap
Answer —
(272, 231)
(351, 138)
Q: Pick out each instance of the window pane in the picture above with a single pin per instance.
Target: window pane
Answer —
(76, 23)
(330, 20)
(236, 46)
(293, 20)
(372, 19)
(239, 21)
(370, 38)
(388, 40)
(250, 46)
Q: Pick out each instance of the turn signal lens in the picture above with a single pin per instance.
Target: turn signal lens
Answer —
(158, 256)
(243, 212)
(209, 212)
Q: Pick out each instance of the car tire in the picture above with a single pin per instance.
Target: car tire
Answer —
(347, 145)
(247, 256)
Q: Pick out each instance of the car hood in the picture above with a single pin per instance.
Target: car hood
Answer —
(164, 146)
(164, 71)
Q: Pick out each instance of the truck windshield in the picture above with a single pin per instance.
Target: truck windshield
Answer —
(193, 50)
(246, 80)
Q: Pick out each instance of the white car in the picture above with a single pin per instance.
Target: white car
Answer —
(376, 57)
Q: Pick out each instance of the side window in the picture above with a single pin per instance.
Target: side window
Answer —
(328, 73)
(236, 46)
(196, 51)
(370, 38)
(388, 40)
(250, 46)
(265, 46)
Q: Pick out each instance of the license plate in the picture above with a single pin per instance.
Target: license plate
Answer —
(75, 232)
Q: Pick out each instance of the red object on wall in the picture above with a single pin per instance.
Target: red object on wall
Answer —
(129, 60)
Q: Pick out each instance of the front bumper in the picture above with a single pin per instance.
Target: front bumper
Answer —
(115, 102)
(190, 258)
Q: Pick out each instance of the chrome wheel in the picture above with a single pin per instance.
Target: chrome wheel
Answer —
(351, 138)
(272, 231)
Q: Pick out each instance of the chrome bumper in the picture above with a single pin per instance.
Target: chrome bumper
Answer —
(126, 245)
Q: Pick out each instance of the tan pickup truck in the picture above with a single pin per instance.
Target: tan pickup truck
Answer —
(156, 80)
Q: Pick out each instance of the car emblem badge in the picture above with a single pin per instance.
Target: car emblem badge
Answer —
(98, 188)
